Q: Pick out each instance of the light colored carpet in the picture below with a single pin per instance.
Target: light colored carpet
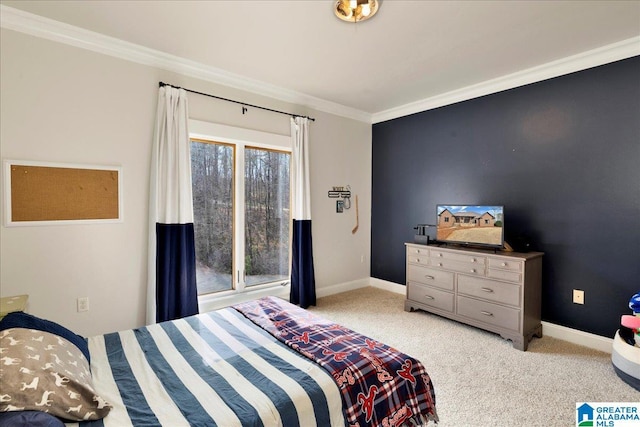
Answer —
(478, 377)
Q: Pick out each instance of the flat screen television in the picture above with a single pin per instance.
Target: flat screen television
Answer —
(473, 225)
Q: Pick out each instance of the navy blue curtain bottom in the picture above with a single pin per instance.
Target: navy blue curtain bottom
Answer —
(176, 290)
(303, 281)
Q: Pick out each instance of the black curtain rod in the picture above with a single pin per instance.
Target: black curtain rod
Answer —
(244, 104)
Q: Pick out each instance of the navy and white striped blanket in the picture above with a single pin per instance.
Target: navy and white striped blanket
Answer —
(213, 369)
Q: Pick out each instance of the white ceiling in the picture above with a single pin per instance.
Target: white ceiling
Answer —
(410, 51)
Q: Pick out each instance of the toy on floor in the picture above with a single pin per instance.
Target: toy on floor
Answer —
(626, 345)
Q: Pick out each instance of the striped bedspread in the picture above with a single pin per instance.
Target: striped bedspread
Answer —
(213, 369)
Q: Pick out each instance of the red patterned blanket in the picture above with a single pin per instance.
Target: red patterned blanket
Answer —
(380, 386)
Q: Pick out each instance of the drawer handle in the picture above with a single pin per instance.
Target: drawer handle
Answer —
(487, 290)
(473, 270)
(429, 297)
(417, 259)
(439, 264)
(429, 277)
(417, 251)
(486, 313)
(504, 264)
(473, 260)
(440, 255)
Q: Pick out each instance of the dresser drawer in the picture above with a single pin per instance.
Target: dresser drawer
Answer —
(505, 264)
(417, 251)
(459, 266)
(418, 259)
(430, 296)
(511, 276)
(438, 256)
(416, 255)
(491, 290)
(504, 317)
(430, 276)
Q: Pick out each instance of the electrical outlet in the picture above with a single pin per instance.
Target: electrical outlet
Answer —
(83, 304)
(578, 296)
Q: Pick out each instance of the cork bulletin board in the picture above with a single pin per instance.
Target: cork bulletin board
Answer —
(52, 193)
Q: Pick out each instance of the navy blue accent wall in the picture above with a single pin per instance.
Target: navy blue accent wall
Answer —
(561, 155)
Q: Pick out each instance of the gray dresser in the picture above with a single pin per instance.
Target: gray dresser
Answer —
(496, 291)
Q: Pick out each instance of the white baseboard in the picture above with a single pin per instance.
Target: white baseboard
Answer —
(342, 287)
(360, 283)
(388, 286)
(574, 336)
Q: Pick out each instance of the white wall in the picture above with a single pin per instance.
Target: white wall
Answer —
(64, 104)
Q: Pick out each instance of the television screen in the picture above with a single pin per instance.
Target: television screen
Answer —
(470, 225)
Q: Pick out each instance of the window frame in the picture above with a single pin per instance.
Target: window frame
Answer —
(240, 139)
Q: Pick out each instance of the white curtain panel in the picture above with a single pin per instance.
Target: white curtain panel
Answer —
(301, 199)
(170, 194)
(303, 282)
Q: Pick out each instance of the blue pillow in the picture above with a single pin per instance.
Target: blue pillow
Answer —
(29, 419)
(20, 319)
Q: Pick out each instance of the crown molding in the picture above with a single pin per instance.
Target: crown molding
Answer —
(38, 26)
(592, 58)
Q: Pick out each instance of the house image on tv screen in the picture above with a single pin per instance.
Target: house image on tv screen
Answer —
(465, 219)
(470, 224)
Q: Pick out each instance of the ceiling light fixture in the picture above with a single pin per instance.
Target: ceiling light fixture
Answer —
(356, 10)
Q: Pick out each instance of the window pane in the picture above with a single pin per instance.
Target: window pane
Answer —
(212, 181)
(266, 210)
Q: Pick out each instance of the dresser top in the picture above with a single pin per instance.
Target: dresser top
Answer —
(485, 252)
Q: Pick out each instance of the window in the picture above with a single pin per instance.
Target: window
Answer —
(212, 175)
(266, 211)
(241, 206)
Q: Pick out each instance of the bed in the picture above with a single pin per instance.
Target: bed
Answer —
(261, 363)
